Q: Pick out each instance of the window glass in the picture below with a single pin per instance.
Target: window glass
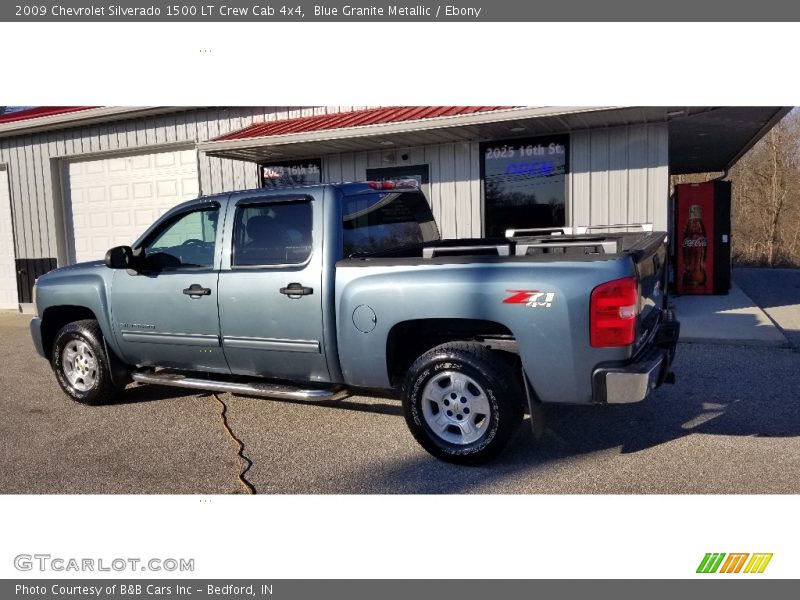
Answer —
(291, 172)
(272, 234)
(386, 221)
(524, 183)
(185, 242)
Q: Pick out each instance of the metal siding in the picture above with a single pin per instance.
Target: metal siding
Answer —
(658, 179)
(447, 192)
(619, 175)
(637, 174)
(580, 199)
(598, 167)
(629, 175)
(462, 193)
(35, 186)
(476, 190)
(454, 190)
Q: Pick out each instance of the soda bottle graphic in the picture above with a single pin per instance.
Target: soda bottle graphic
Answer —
(695, 246)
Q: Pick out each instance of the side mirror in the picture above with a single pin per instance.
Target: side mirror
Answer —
(119, 257)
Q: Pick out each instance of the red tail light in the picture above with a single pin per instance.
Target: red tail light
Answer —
(614, 306)
(382, 185)
(402, 184)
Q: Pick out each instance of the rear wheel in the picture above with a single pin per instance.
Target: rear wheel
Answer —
(462, 403)
(81, 365)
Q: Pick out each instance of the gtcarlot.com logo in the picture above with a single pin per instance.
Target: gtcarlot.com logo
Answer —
(46, 562)
(737, 562)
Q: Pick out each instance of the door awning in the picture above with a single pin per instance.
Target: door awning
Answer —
(701, 138)
(378, 128)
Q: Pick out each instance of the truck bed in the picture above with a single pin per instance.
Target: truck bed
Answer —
(545, 248)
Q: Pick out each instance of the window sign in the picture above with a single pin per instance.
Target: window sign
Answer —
(291, 172)
(524, 183)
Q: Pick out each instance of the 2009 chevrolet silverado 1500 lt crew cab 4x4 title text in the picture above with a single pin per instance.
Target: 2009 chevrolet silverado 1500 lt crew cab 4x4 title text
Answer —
(311, 292)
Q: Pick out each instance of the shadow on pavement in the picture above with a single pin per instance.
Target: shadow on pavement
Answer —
(720, 391)
(135, 394)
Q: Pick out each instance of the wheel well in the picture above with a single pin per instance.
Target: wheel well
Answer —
(408, 340)
(55, 317)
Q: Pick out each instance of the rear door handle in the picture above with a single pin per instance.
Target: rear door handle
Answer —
(295, 290)
(196, 290)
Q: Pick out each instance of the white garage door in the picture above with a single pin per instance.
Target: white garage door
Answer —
(8, 270)
(111, 201)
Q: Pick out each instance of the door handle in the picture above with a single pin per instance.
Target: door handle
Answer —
(196, 290)
(295, 290)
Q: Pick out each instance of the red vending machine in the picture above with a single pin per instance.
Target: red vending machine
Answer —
(702, 232)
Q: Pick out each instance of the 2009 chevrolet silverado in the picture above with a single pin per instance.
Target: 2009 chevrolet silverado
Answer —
(308, 292)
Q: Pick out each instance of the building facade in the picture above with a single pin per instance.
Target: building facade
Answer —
(75, 181)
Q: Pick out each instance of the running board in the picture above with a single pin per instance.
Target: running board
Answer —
(265, 390)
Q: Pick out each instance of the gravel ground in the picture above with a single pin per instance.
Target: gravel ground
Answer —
(729, 425)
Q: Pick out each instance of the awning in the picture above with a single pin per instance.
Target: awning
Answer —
(379, 128)
(701, 139)
(710, 140)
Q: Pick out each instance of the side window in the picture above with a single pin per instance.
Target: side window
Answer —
(187, 241)
(272, 234)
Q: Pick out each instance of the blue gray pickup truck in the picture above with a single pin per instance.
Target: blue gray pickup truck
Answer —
(311, 293)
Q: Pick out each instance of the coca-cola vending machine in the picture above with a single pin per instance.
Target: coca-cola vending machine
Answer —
(702, 213)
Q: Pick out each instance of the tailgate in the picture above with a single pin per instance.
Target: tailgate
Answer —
(649, 254)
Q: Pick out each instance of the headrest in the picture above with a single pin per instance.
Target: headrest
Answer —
(260, 228)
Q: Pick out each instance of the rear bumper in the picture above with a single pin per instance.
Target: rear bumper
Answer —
(36, 335)
(622, 383)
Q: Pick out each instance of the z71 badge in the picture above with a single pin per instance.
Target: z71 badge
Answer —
(532, 298)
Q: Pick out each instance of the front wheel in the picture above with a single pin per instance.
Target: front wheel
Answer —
(81, 365)
(462, 403)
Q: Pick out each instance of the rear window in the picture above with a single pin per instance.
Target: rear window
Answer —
(386, 221)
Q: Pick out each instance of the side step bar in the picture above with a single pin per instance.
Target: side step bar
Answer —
(265, 390)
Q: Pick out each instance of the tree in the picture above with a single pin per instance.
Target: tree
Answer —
(765, 210)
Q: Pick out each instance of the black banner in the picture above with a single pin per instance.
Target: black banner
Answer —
(241, 11)
(463, 589)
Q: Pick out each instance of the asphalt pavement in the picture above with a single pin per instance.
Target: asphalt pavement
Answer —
(731, 424)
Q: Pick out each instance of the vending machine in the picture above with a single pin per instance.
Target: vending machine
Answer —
(702, 230)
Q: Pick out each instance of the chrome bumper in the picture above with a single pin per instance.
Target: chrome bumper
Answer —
(633, 381)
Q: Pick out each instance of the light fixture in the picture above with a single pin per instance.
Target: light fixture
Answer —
(386, 143)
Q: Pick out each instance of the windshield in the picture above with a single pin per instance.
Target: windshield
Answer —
(381, 222)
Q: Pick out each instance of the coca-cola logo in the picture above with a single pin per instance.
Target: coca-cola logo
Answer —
(700, 242)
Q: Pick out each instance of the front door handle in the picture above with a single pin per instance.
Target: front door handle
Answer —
(196, 290)
(295, 290)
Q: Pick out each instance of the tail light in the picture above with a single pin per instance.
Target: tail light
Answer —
(614, 306)
(402, 184)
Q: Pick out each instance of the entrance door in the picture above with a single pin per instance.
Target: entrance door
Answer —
(271, 296)
(167, 315)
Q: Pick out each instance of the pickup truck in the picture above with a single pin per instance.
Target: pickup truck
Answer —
(309, 293)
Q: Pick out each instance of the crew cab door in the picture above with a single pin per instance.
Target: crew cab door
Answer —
(270, 295)
(167, 314)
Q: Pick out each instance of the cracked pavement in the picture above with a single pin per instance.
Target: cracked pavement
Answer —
(731, 424)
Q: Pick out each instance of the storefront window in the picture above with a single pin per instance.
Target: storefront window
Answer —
(291, 172)
(524, 183)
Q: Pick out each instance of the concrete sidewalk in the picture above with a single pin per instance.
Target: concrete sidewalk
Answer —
(731, 319)
(777, 292)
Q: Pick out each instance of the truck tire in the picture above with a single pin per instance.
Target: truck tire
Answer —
(81, 365)
(462, 403)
